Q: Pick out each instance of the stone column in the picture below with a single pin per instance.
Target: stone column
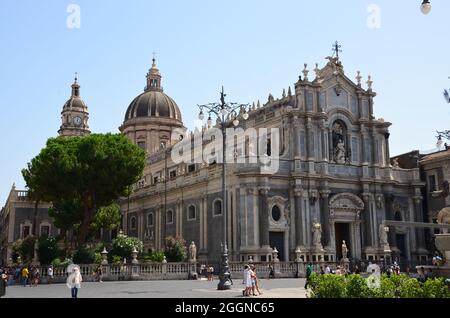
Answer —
(325, 216)
(263, 217)
(418, 209)
(365, 219)
(296, 138)
(298, 217)
(307, 128)
(388, 155)
(324, 144)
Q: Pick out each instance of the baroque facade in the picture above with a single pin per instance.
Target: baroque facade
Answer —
(334, 182)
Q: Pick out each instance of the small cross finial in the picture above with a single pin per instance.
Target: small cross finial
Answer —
(337, 49)
(154, 58)
(76, 77)
(222, 96)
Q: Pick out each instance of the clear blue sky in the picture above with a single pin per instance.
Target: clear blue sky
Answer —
(253, 48)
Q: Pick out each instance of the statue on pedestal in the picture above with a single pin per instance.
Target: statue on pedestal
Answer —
(382, 232)
(344, 250)
(317, 234)
(192, 252)
(339, 152)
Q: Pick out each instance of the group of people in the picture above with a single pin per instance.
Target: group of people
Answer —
(250, 281)
(207, 271)
(24, 275)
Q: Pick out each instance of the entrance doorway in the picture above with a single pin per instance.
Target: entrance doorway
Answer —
(342, 231)
(276, 239)
(401, 245)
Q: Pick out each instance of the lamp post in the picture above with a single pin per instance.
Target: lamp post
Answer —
(425, 7)
(221, 110)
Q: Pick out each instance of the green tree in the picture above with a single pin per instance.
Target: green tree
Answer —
(84, 256)
(123, 245)
(94, 170)
(66, 215)
(47, 250)
(175, 249)
(26, 248)
(107, 218)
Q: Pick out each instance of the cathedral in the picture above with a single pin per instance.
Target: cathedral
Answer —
(333, 188)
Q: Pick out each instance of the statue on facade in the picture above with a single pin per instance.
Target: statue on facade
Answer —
(344, 250)
(317, 234)
(382, 232)
(395, 163)
(192, 252)
(339, 152)
(443, 216)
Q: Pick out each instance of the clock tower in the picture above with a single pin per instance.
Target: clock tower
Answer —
(75, 115)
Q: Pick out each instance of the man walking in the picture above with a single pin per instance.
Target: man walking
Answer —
(309, 271)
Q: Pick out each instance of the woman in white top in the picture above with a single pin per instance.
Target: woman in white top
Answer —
(74, 281)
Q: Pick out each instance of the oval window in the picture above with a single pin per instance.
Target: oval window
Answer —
(276, 213)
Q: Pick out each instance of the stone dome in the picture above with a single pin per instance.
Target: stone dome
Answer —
(153, 103)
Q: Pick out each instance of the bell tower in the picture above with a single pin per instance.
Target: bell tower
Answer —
(75, 115)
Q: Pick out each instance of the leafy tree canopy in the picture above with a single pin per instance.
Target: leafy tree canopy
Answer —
(92, 170)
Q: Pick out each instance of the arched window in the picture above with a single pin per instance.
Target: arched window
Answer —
(276, 213)
(191, 212)
(133, 223)
(217, 207)
(150, 219)
(398, 216)
(169, 217)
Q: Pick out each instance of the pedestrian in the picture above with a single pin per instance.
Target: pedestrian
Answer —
(327, 269)
(3, 283)
(322, 271)
(25, 274)
(247, 281)
(36, 276)
(309, 271)
(256, 280)
(98, 274)
(74, 281)
(357, 270)
(271, 272)
(210, 273)
(50, 274)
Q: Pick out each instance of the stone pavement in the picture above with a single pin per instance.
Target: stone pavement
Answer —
(274, 288)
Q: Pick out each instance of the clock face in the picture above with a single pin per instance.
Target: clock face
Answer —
(77, 121)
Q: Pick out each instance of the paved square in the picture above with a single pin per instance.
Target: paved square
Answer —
(278, 288)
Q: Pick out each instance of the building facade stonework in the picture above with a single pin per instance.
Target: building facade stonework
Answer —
(334, 176)
(19, 218)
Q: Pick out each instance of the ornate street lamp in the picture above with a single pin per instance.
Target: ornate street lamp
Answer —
(425, 7)
(221, 111)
